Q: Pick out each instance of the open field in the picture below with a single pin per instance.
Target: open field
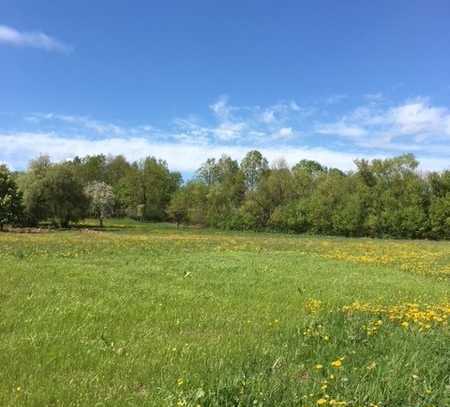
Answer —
(150, 315)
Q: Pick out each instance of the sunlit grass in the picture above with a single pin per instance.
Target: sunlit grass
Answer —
(150, 315)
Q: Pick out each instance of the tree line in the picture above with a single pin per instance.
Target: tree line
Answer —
(380, 198)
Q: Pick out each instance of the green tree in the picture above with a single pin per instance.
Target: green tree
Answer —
(149, 183)
(90, 168)
(10, 199)
(52, 191)
(398, 197)
(310, 166)
(178, 209)
(30, 184)
(275, 189)
(197, 202)
(387, 197)
(440, 204)
(207, 173)
(440, 217)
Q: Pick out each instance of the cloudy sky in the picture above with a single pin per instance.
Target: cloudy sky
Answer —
(183, 81)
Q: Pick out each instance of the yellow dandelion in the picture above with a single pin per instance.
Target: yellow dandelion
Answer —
(337, 363)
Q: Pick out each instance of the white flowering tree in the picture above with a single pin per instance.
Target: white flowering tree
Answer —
(101, 198)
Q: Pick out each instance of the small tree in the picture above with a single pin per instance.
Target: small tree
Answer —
(101, 200)
(10, 198)
(63, 194)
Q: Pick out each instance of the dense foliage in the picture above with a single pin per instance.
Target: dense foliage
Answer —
(388, 197)
(53, 192)
(96, 185)
(380, 198)
(10, 199)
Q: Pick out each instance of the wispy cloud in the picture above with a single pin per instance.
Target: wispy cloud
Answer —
(341, 129)
(279, 112)
(221, 108)
(94, 127)
(35, 39)
(282, 129)
(285, 133)
(414, 124)
(186, 157)
(247, 124)
(78, 121)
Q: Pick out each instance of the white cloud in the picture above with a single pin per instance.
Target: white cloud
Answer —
(228, 131)
(188, 130)
(341, 129)
(375, 128)
(415, 125)
(221, 108)
(19, 148)
(96, 127)
(82, 121)
(279, 112)
(268, 116)
(418, 118)
(284, 133)
(11, 36)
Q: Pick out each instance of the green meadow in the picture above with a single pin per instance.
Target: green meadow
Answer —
(150, 315)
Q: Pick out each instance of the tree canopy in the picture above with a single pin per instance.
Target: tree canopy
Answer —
(382, 197)
(10, 199)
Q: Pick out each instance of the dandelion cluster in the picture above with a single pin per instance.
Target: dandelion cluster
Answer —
(313, 306)
(406, 256)
(423, 316)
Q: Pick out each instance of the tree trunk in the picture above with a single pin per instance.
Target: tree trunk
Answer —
(101, 222)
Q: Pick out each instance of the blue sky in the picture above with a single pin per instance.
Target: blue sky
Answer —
(184, 81)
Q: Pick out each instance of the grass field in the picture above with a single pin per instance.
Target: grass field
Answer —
(148, 315)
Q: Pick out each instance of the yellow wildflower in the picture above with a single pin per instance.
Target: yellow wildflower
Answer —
(337, 363)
